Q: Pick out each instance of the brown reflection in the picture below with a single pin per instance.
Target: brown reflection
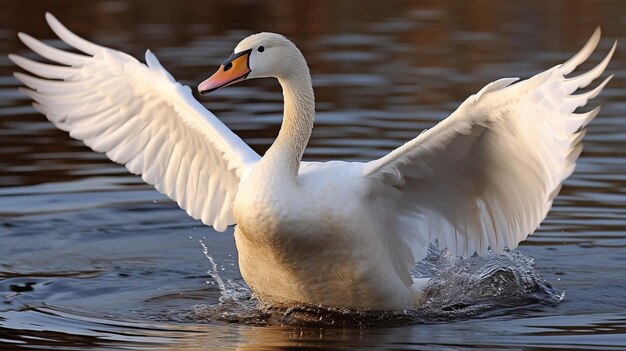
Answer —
(274, 338)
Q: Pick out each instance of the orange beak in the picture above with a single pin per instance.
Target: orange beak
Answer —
(235, 69)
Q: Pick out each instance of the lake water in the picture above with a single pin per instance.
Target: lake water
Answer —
(93, 259)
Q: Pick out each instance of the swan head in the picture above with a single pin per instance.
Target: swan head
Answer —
(260, 55)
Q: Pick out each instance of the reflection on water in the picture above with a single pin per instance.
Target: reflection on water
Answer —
(91, 258)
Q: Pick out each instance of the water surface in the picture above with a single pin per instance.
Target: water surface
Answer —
(92, 258)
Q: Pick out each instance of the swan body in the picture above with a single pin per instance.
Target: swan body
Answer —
(315, 240)
(340, 234)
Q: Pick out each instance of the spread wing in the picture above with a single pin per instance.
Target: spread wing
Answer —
(486, 176)
(142, 118)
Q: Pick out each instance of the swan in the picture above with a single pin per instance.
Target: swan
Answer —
(337, 234)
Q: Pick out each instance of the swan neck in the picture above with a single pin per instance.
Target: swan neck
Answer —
(297, 125)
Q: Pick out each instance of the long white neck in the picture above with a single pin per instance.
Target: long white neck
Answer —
(286, 152)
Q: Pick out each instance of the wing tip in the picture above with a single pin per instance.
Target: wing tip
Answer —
(39, 107)
(22, 77)
(22, 36)
(28, 40)
(219, 226)
(70, 37)
(52, 20)
(597, 33)
(583, 53)
(20, 61)
(153, 63)
(14, 57)
(588, 117)
(28, 92)
(612, 51)
(495, 86)
(150, 58)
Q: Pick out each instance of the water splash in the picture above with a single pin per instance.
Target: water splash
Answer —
(213, 272)
(490, 284)
(458, 288)
(236, 303)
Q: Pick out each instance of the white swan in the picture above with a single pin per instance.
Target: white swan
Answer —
(331, 233)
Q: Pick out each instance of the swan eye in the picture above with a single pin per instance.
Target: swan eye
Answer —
(261, 48)
(228, 66)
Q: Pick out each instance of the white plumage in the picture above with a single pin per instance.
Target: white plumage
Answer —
(335, 233)
(142, 118)
(486, 176)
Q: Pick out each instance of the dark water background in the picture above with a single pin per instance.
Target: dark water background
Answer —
(91, 258)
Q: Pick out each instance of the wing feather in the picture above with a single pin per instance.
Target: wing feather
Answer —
(42, 69)
(71, 38)
(141, 117)
(486, 176)
(49, 86)
(52, 53)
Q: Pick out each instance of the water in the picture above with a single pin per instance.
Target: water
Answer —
(91, 258)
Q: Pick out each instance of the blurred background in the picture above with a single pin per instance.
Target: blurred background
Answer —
(86, 248)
